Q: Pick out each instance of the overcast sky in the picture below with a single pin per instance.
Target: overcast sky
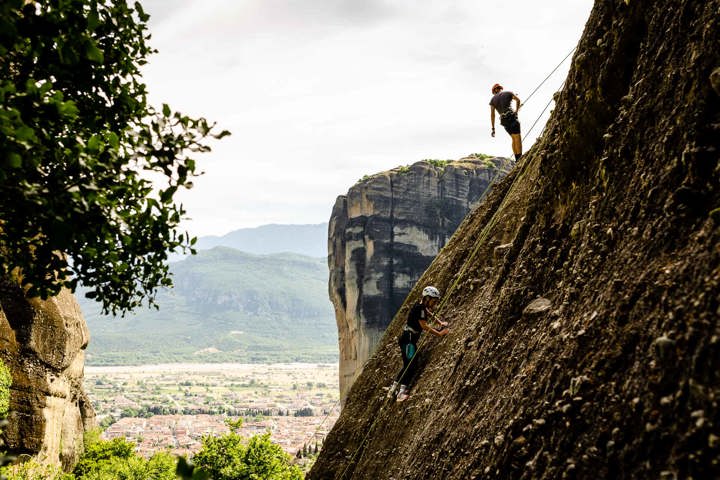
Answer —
(318, 93)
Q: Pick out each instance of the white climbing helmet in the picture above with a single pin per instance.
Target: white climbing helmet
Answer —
(430, 291)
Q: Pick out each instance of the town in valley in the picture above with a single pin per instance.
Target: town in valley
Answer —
(171, 407)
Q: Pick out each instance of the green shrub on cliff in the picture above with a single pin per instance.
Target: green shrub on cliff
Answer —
(5, 382)
(441, 164)
(34, 470)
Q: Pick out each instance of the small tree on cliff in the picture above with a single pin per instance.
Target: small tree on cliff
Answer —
(79, 145)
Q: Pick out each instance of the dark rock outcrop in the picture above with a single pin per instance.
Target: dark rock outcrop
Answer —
(383, 235)
(43, 345)
(611, 217)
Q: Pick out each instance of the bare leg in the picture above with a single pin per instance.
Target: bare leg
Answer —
(516, 143)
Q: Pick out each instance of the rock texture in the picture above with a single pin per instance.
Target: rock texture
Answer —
(43, 344)
(383, 235)
(612, 217)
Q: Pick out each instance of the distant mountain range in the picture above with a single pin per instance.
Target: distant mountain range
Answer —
(310, 240)
(226, 305)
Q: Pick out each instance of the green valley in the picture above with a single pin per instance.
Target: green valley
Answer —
(226, 306)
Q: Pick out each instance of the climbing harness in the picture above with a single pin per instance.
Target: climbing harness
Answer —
(408, 328)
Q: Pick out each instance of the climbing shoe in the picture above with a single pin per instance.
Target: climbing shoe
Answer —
(392, 389)
(403, 394)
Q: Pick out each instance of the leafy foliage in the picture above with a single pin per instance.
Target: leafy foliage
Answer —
(100, 452)
(441, 164)
(5, 382)
(116, 459)
(231, 457)
(79, 148)
(34, 470)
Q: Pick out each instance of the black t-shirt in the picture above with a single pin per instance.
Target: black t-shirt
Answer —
(417, 313)
(501, 101)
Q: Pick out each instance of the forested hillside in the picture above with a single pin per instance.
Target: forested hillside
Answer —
(226, 306)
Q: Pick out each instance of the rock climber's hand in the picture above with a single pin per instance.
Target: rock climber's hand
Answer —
(444, 331)
(444, 324)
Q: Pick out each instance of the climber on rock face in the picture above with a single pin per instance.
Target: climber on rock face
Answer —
(417, 321)
(508, 117)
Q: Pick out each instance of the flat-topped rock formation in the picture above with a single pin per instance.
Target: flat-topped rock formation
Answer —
(382, 236)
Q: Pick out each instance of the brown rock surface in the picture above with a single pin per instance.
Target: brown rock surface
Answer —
(612, 218)
(382, 236)
(43, 344)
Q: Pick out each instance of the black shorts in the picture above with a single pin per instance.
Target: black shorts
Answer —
(510, 122)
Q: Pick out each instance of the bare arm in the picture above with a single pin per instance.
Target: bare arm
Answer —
(437, 320)
(492, 119)
(517, 103)
(438, 333)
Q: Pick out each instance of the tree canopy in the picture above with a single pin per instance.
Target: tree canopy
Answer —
(232, 457)
(81, 152)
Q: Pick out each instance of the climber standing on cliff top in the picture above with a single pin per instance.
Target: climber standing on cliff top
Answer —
(508, 117)
(417, 321)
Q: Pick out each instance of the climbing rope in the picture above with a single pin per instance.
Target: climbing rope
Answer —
(541, 114)
(317, 429)
(478, 243)
(422, 343)
(548, 76)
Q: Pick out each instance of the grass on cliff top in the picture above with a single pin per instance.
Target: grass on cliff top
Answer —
(439, 164)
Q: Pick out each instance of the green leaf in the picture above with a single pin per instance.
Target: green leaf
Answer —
(24, 133)
(166, 109)
(68, 109)
(93, 53)
(93, 20)
(13, 160)
(167, 194)
(113, 140)
(94, 144)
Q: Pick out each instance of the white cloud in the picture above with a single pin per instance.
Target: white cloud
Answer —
(319, 93)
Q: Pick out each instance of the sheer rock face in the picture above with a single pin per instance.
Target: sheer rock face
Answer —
(613, 218)
(382, 236)
(43, 344)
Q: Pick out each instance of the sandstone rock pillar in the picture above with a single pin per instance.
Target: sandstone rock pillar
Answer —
(43, 344)
(384, 233)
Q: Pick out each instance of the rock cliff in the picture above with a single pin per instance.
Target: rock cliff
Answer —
(43, 344)
(383, 235)
(583, 293)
